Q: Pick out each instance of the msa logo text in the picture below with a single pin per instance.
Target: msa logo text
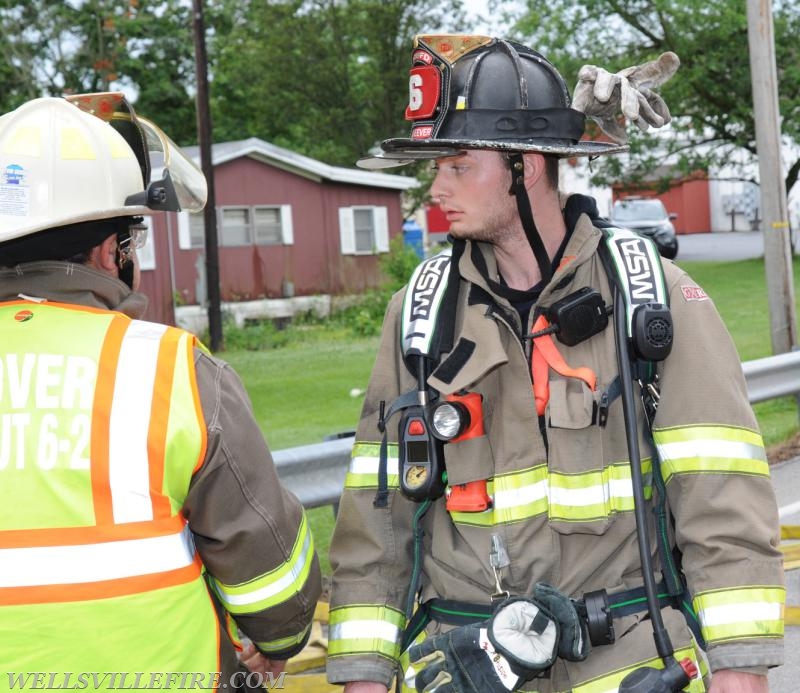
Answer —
(429, 279)
(637, 266)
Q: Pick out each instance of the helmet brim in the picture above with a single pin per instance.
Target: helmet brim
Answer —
(403, 151)
(37, 224)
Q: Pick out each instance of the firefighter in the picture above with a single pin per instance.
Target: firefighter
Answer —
(487, 534)
(144, 529)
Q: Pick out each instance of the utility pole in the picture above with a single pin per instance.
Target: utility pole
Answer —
(774, 214)
(210, 211)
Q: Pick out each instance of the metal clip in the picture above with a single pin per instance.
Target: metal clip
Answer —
(650, 398)
(498, 559)
(602, 410)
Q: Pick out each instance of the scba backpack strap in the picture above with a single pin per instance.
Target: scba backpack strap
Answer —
(634, 266)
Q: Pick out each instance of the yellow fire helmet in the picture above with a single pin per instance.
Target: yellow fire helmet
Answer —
(88, 157)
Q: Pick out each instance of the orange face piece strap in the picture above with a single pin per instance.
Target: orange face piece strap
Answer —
(545, 356)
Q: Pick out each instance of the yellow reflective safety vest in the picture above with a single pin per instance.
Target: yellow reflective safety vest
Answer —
(100, 432)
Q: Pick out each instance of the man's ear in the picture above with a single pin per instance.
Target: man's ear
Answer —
(534, 168)
(104, 256)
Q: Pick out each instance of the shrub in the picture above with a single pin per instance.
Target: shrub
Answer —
(398, 264)
(254, 336)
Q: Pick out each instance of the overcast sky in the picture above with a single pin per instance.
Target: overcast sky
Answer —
(487, 24)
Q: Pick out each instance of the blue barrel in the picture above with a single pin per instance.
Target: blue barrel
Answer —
(412, 237)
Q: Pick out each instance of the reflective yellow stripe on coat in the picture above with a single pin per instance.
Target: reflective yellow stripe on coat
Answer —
(367, 629)
(523, 494)
(104, 431)
(276, 586)
(710, 449)
(746, 612)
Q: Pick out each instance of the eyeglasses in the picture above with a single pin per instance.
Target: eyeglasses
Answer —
(134, 238)
(138, 236)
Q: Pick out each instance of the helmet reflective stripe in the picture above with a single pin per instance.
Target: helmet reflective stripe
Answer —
(113, 560)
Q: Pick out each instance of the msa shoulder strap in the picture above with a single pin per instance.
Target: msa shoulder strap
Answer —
(423, 300)
(634, 266)
(423, 338)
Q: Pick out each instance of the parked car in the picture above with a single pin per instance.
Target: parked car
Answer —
(648, 217)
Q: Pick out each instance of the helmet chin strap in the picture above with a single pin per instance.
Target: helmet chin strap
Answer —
(526, 215)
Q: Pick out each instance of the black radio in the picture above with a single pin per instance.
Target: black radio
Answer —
(578, 316)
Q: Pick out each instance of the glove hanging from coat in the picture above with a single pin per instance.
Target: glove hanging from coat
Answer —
(520, 640)
(602, 95)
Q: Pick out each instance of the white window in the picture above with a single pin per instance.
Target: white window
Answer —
(235, 227)
(239, 226)
(363, 230)
(197, 230)
(273, 225)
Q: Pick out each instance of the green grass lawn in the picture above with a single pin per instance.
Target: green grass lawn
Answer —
(301, 392)
(739, 291)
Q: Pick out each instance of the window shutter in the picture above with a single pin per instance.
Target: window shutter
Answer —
(287, 230)
(347, 234)
(380, 215)
(184, 237)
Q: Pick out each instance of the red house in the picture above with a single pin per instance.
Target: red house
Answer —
(287, 226)
(687, 196)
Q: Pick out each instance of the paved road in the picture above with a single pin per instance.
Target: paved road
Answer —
(786, 479)
(726, 245)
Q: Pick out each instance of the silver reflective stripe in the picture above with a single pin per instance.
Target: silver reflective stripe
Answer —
(740, 612)
(513, 497)
(292, 576)
(592, 495)
(711, 447)
(129, 473)
(369, 465)
(66, 565)
(361, 629)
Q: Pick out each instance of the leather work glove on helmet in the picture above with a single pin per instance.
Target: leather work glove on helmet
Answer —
(520, 640)
(602, 95)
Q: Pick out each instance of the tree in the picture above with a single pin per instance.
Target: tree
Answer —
(327, 78)
(710, 97)
(143, 47)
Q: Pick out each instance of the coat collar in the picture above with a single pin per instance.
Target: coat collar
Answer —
(65, 282)
(478, 330)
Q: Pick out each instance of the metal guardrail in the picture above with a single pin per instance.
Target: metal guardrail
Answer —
(773, 376)
(315, 473)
